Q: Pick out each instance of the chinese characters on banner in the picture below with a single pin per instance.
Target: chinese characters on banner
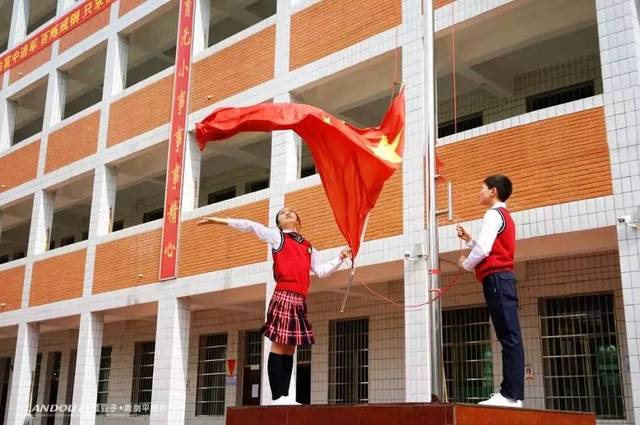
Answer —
(44, 38)
(177, 139)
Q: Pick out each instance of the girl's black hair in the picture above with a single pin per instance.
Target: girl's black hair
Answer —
(278, 215)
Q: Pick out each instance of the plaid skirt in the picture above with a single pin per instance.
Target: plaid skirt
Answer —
(287, 321)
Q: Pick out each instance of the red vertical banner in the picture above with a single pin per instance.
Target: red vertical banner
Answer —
(177, 141)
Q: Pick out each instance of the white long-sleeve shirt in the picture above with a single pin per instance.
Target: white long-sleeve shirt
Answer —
(274, 238)
(481, 248)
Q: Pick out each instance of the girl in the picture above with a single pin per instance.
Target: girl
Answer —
(287, 324)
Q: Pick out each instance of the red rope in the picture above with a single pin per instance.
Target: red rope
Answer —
(441, 292)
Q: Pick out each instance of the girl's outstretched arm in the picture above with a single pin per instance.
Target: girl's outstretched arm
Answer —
(272, 236)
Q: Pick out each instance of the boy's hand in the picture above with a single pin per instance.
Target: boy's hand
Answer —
(210, 220)
(461, 261)
(463, 234)
(345, 253)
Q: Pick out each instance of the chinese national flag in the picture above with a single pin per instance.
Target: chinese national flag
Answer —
(353, 163)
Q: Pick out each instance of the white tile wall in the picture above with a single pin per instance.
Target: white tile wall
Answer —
(619, 36)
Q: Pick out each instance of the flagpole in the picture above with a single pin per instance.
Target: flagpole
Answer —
(433, 268)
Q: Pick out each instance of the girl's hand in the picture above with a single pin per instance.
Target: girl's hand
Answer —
(212, 220)
(463, 234)
(345, 253)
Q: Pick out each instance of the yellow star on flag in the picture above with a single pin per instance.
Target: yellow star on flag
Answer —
(387, 151)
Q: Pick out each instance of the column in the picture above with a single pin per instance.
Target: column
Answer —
(24, 366)
(7, 119)
(417, 337)
(85, 387)
(169, 396)
(19, 19)
(201, 26)
(191, 174)
(619, 41)
(41, 220)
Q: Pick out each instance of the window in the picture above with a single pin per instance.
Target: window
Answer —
(6, 8)
(461, 124)
(349, 361)
(466, 342)
(153, 215)
(257, 185)
(251, 375)
(35, 384)
(103, 380)
(52, 384)
(240, 165)
(563, 95)
(142, 377)
(152, 46)
(303, 375)
(140, 187)
(230, 17)
(84, 81)
(221, 195)
(67, 240)
(580, 355)
(253, 348)
(212, 368)
(6, 365)
(71, 211)
(28, 109)
(71, 373)
(14, 235)
(40, 12)
(308, 171)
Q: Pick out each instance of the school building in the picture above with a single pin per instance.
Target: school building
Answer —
(545, 91)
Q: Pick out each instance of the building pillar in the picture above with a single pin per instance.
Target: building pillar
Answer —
(85, 387)
(418, 345)
(171, 358)
(619, 42)
(24, 366)
(41, 221)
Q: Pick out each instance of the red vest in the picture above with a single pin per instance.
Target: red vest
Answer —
(292, 264)
(501, 256)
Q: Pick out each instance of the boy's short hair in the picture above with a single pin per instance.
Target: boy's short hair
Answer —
(501, 183)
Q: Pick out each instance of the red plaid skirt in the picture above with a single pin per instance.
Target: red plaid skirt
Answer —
(287, 321)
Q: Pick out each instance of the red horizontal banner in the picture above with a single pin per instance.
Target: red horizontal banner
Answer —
(45, 37)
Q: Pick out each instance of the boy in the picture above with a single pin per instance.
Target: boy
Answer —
(491, 257)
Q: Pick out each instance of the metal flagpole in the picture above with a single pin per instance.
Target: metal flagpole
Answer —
(435, 310)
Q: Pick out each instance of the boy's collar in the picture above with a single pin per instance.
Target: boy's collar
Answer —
(499, 205)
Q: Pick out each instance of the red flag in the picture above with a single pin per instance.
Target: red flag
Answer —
(353, 163)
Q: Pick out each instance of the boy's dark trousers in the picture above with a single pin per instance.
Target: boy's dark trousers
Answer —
(500, 293)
